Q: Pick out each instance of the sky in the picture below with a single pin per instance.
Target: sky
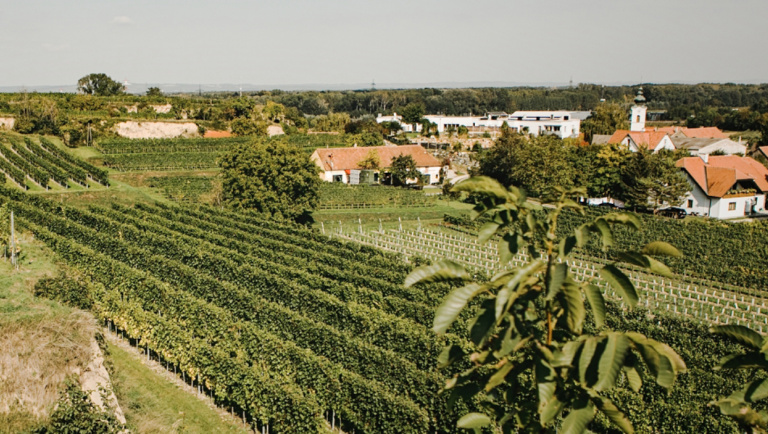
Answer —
(392, 42)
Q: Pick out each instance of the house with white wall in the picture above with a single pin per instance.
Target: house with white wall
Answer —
(724, 186)
(704, 146)
(653, 141)
(563, 124)
(340, 164)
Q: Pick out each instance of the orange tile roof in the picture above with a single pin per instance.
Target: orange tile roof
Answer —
(348, 158)
(704, 133)
(693, 133)
(649, 139)
(720, 173)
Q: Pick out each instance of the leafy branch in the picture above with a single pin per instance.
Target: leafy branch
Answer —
(528, 330)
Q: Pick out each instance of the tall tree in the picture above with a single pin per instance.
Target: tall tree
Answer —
(605, 119)
(653, 180)
(404, 168)
(99, 84)
(272, 178)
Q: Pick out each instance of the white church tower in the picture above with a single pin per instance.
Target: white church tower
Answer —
(637, 121)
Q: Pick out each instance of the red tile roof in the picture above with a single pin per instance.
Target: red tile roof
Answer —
(348, 158)
(693, 133)
(720, 173)
(648, 139)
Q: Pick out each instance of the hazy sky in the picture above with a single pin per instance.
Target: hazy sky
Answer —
(55, 42)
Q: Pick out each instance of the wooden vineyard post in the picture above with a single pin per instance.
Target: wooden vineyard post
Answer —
(14, 260)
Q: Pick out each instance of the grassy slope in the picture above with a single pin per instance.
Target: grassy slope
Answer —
(154, 405)
(41, 341)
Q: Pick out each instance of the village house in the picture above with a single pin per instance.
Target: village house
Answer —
(724, 186)
(343, 164)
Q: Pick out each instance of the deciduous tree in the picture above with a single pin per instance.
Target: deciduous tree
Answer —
(272, 178)
(100, 85)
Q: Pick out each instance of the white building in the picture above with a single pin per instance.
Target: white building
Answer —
(725, 186)
(702, 146)
(563, 124)
(340, 164)
(638, 113)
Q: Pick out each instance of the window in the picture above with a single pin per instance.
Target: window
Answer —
(638, 118)
(338, 178)
(690, 203)
(731, 206)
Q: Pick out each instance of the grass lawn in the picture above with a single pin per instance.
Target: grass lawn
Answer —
(152, 404)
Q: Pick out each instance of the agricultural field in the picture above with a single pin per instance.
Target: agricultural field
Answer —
(293, 329)
(336, 196)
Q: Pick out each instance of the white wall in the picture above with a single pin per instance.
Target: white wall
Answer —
(743, 204)
(700, 200)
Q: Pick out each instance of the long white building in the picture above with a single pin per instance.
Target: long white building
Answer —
(563, 124)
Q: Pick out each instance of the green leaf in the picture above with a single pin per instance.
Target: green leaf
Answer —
(597, 302)
(585, 358)
(486, 232)
(564, 357)
(743, 335)
(450, 308)
(499, 376)
(614, 414)
(626, 219)
(440, 271)
(620, 283)
(660, 248)
(658, 267)
(566, 246)
(473, 421)
(504, 297)
(606, 234)
(449, 354)
(509, 245)
(482, 324)
(545, 381)
(659, 365)
(634, 258)
(611, 361)
(744, 361)
(551, 410)
(633, 378)
(485, 185)
(574, 304)
(557, 275)
(577, 420)
(582, 234)
(756, 390)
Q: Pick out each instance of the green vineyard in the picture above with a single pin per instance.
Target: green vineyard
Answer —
(335, 196)
(261, 315)
(44, 163)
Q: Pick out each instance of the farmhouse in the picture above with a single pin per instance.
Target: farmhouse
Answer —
(725, 186)
(343, 164)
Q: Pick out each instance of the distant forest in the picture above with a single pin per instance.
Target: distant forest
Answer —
(680, 101)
